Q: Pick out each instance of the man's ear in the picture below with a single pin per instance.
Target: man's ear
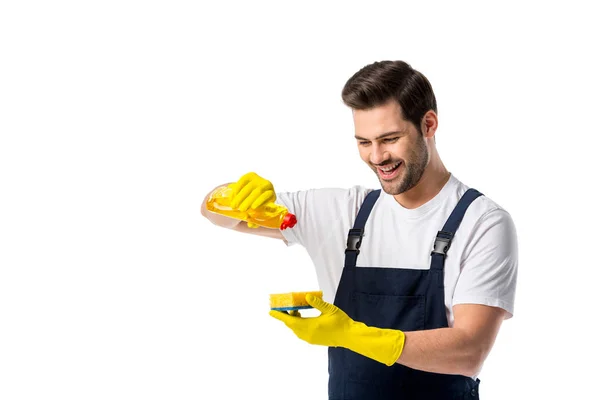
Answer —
(429, 124)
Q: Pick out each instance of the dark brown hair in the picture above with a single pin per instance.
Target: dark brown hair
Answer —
(377, 83)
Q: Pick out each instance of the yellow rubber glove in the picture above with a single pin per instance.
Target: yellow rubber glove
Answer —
(251, 191)
(334, 328)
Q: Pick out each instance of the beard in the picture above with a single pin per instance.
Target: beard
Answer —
(414, 167)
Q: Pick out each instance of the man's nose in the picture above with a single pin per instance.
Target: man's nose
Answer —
(378, 155)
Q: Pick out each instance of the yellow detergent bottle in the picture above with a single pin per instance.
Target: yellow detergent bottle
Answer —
(269, 215)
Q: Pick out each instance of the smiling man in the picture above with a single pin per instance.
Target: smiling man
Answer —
(417, 276)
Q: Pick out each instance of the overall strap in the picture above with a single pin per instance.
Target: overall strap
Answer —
(444, 237)
(356, 233)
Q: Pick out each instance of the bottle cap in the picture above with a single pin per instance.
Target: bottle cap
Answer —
(288, 221)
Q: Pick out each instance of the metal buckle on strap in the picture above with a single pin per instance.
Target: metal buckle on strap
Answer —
(442, 243)
(354, 240)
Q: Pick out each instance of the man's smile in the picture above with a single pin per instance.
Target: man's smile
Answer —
(389, 171)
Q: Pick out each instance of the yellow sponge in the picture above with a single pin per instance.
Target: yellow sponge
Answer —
(292, 301)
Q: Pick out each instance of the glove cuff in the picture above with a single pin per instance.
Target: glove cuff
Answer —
(382, 345)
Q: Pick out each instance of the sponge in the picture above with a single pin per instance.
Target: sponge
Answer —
(292, 301)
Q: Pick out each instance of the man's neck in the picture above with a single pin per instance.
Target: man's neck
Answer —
(428, 187)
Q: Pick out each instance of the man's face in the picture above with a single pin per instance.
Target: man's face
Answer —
(393, 147)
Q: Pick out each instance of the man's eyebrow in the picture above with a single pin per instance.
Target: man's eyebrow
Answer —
(380, 136)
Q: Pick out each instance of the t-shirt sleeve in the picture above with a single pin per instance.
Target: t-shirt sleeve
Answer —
(489, 267)
(319, 213)
(313, 209)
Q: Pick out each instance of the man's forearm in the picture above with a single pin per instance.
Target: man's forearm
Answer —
(444, 351)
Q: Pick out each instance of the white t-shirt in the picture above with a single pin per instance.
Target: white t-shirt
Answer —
(481, 263)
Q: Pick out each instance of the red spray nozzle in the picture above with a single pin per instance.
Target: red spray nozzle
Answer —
(288, 221)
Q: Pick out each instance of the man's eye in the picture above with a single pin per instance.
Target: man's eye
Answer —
(364, 143)
(390, 140)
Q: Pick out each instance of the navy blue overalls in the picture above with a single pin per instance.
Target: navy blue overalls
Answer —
(395, 298)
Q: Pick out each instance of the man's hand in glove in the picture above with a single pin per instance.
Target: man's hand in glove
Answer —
(251, 191)
(334, 328)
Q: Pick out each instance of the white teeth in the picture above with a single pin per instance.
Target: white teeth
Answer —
(388, 169)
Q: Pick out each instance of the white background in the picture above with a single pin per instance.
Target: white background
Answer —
(117, 117)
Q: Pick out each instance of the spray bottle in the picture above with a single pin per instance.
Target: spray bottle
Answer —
(268, 215)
